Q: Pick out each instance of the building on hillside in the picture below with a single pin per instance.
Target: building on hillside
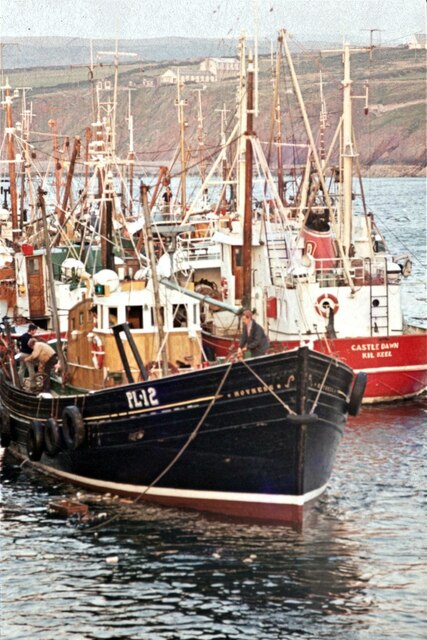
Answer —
(418, 41)
(187, 76)
(221, 67)
(168, 77)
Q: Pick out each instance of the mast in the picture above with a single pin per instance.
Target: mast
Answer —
(348, 153)
(106, 214)
(153, 267)
(241, 106)
(111, 109)
(201, 136)
(180, 104)
(53, 125)
(55, 318)
(26, 118)
(316, 159)
(277, 119)
(88, 138)
(131, 153)
(75, 152)
(11, 161)
(224, 163)
(322, 121)
(247, 222)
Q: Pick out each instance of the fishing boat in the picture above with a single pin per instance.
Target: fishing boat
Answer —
(136, 410)
(313, 268)
(253, 438)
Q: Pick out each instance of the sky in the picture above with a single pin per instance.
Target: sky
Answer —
(305, 19)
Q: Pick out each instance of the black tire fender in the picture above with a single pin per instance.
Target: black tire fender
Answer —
(35, 440)
(5, 437)
(73, 427)
(357, 392)
(52, 437)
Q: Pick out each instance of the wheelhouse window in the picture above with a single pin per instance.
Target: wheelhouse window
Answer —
(134, 317)
(33, 265)
(180, 315)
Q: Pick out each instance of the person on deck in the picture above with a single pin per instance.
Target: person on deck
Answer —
(253, 337)
(167, 198)
(24, 351)
(46, 357)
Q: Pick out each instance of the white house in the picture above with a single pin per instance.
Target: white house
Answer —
(221, 67)
(168, 77)
(187, 75)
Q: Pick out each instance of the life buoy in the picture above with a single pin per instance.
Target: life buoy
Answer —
(324, 303)
(73, 427)
(52, 437)
(357, 392)
(98, 352)
(35, 440)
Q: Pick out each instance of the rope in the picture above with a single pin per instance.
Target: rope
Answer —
(190, 438)
(316, 400)
(273, 393)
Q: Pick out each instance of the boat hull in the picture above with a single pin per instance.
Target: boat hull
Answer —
(251, 439)
(396, 366)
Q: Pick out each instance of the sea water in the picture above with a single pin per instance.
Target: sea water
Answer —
(355, 571)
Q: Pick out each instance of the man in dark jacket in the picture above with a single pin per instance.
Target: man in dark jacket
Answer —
(253, 338)
(24, 351)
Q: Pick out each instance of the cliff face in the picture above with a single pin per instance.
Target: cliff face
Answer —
(390, 138)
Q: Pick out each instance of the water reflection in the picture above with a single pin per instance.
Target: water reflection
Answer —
(182, 570)
(352, 572)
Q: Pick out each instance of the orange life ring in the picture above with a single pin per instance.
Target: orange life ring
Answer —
(325, 302)
(98, 352)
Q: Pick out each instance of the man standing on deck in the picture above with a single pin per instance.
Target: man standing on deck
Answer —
(46, 357)
(253, 337)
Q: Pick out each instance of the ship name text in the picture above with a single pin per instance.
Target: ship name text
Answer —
(142, 398)
(377, 350)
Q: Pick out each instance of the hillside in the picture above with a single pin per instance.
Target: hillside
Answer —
(391, 138)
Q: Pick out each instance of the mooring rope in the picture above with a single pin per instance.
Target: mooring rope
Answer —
(190, 438)
(273, 393)
(316, 400)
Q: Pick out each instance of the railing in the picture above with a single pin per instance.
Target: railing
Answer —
(329, 272)
(202, 248)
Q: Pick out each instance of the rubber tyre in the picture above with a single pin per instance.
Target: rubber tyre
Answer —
(35, 440)
(52, 437)
(5, 437)
(357, 392)
(73, 427)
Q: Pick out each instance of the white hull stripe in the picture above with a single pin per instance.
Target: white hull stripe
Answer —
(187, 494)
(375, 399)
(414, 367)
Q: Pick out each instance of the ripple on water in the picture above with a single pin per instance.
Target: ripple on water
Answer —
(355, 572)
